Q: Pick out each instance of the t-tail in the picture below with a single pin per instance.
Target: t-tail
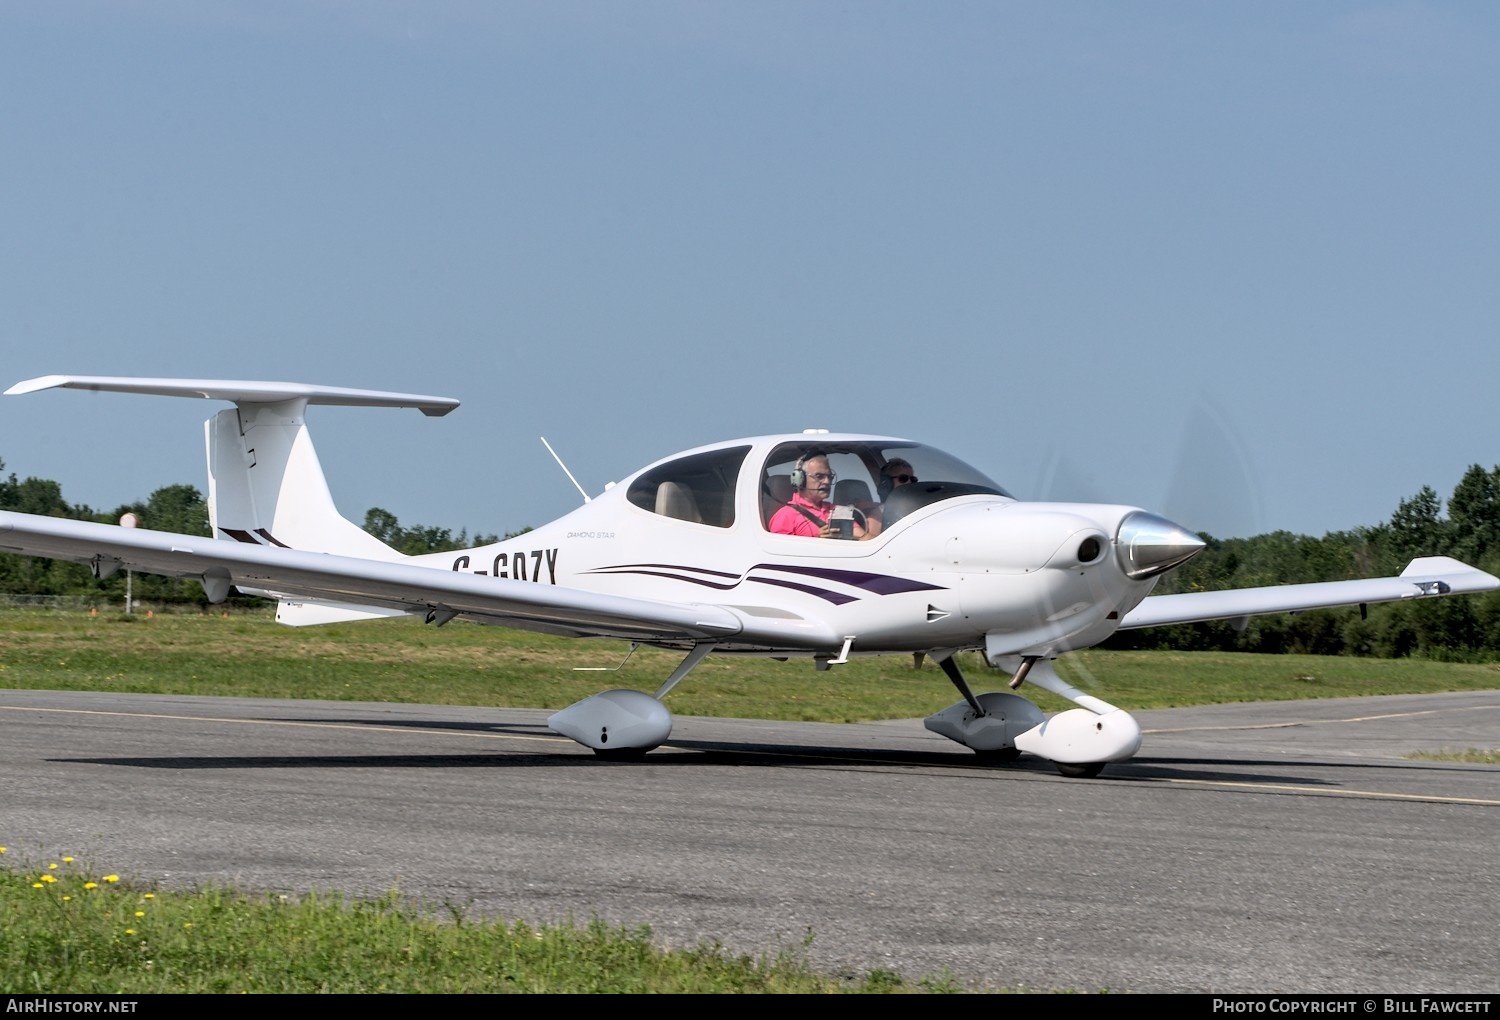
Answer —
(265, 484)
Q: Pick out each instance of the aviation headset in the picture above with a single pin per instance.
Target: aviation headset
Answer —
(886, 484)
(799, 476)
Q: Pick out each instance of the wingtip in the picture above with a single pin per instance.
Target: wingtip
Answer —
(42, 382)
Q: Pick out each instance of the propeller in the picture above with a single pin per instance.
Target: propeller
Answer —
(1212, 488)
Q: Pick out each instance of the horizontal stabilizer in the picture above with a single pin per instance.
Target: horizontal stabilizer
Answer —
(240, 392)
(311, 613)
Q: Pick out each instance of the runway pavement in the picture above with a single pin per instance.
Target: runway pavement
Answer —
(1281, 847)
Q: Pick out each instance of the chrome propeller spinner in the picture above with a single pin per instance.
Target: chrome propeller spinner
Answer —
(1147, 545)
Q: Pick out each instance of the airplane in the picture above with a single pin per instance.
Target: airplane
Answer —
(679, 555)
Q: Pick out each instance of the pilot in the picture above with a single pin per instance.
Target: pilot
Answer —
(809, 509)
(896, 473)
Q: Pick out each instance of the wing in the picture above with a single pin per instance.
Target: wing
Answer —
(440, 594)
(1430, 575)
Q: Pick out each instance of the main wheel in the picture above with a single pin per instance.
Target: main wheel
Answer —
(999, 755)
(1079, 770)
(620, 753)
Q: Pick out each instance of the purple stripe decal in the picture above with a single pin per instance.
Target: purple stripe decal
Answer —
(631, 567)
(676, 577)
(879, 584)
(875, 584)
(836, 598)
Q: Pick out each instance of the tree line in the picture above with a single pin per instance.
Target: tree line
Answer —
(1465, 628)
(1466, 527)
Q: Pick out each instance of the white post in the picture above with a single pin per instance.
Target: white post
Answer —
(128, 521)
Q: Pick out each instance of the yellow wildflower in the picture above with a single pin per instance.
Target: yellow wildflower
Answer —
(67, 898)
(129, 931)
(52, 866)
(140, 913)
(149, 896)
(111, 878)
(37, 885)
(49, 879)
(91, 885)
(67, 860)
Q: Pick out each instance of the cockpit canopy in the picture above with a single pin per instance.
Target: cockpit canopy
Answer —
(701, 487)
(859, 480)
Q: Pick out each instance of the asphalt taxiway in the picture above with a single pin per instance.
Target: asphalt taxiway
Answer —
(1276, 847)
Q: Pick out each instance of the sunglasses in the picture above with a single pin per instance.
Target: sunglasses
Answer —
(903, 479)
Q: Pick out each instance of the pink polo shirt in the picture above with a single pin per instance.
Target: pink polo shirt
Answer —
(790, 521)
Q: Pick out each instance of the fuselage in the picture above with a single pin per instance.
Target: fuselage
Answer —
(957, 562)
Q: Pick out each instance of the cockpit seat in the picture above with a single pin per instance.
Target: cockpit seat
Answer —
(776, 494)
(852, 492)
(673, 499)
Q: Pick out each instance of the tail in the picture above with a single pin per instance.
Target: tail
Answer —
(265, 484)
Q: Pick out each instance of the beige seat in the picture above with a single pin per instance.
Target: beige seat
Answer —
(852, 492)
(673, 499)
(776, 494)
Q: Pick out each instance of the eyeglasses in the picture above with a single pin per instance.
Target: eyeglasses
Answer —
(820, 477)
(903, 479)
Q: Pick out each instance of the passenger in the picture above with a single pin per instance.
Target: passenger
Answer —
(896, 473)
(809, 510)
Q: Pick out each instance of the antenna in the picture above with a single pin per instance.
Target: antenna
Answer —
(560, 464)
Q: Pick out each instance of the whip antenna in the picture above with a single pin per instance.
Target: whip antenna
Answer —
(560, 464)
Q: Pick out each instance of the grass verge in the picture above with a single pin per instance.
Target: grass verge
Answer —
(69, 929)
(404, 661)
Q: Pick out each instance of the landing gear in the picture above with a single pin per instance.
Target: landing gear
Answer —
(620, 753)
(987, 723)
(999, 755)
(622, 725)
(998, 727)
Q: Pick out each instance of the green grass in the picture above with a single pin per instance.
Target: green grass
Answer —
(1473, 756)
(118, 938)
(245, 654)
(67, 928)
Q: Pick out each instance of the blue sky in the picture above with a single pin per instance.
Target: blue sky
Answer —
(1234, 262)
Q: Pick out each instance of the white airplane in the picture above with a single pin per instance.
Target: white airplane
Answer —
(679, 555)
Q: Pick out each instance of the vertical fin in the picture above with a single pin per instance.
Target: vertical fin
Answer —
(265, 483)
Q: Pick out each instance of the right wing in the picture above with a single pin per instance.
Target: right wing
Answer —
(1423, 577)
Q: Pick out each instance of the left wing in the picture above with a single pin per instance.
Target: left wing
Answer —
(1429, 575)
(441, 594)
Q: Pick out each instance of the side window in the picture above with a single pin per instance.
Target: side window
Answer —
(698, 488)
(854, 484)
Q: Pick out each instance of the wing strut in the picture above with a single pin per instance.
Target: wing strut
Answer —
(951, 668)
(697, 655)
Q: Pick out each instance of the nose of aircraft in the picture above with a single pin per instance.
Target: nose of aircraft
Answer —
(1147, 545)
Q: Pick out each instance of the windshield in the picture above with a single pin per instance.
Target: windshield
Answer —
(893, 478)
